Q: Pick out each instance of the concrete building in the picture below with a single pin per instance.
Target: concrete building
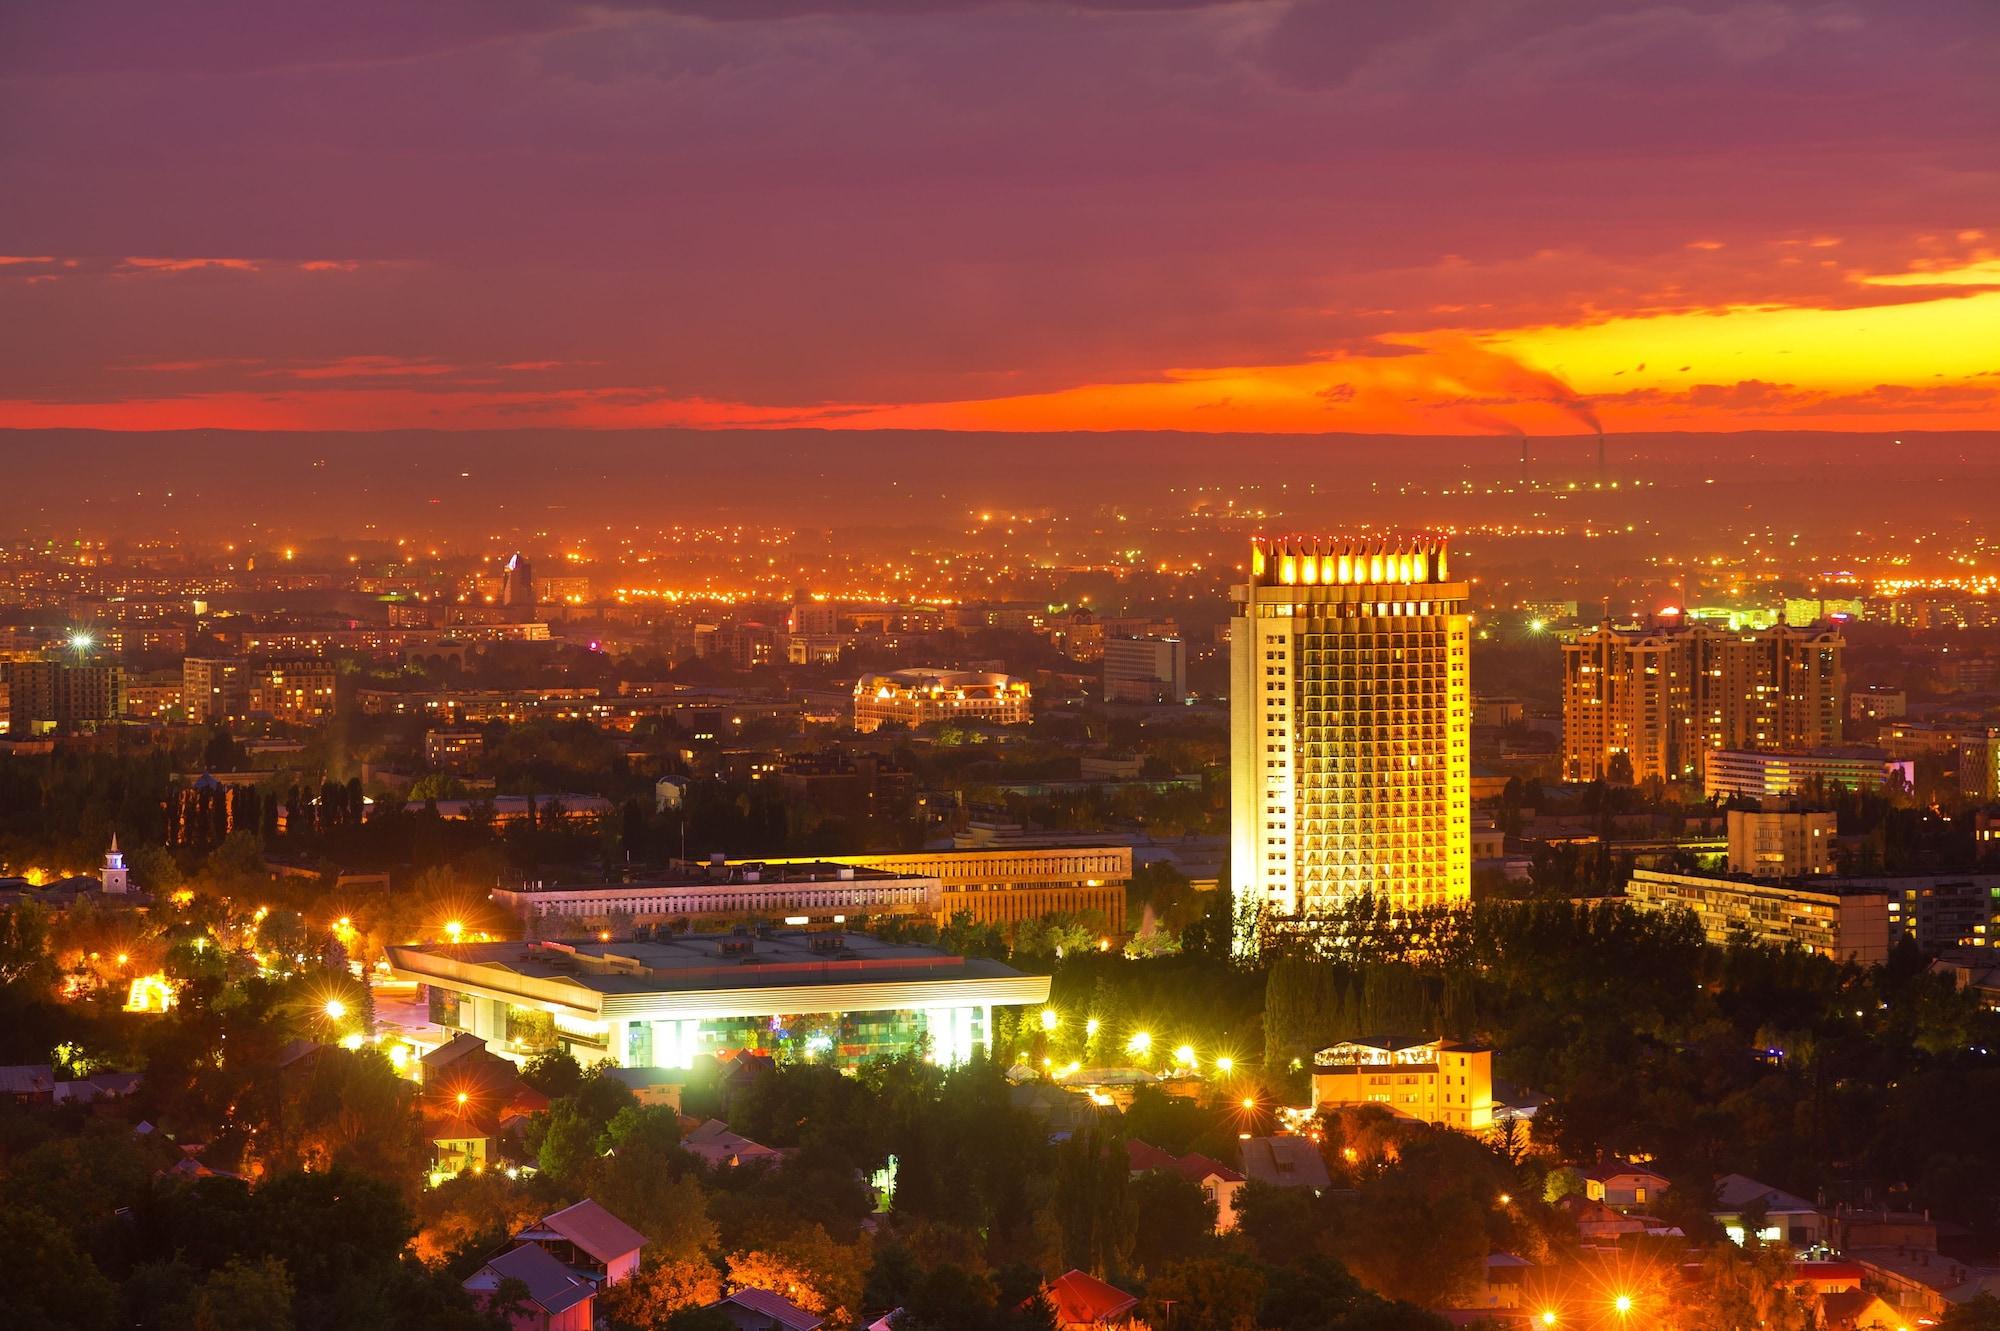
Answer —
(1877, 702)
(842, 997)
(917, 697)
(1781, 843)
(52, 695)
(1979, 763)
(454, 750)
(1005, 885)
(1145, 670)
(517, 584)
(1432, 1081)
(1668, 695)
(1849, 922)
(218, 690)
(1767, 774)
(1941, 911)
(798, 892)
(1350, 729)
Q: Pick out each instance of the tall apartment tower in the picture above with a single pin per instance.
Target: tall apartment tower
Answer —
(1350, 724)
(1667, 696)
(517, 582)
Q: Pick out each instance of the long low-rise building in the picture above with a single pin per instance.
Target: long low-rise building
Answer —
(842, 997)
(795, 891)
(1006, 885)
(1846, 921)
(1757, 775)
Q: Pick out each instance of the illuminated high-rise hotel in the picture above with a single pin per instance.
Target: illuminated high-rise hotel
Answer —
(1349, 713)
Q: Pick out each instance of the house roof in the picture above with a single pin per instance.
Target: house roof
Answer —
(715, 1142)
(550, 1284)
(1285, 1162)
(1845, 1308)
(28, 1079)
(777, 1307)
(1605, 1173)
(595, 1230)
(1080, 1299)
(457, 1047)
(1145, 1158)
(1733, 1192)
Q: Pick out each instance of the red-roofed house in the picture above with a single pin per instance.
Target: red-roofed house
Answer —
(1084, 1303)
(1217, 1181)
(763, 1310)
(718, 1146)
(589, 1239)
(558, 1298)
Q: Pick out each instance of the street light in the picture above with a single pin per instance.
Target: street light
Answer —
(1090, 1027)
(1623, 1303)
(335, 1009)
(1225, 1065)
(1548, 1317)
(452, 929)
(1050, 1019)
(1140, 1042)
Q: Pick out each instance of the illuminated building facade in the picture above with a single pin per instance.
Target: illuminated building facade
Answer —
(1667, 696)
(798, 892)
(1432, 1081)
(1761, 774)
(1838, 919)
(918, 697)
(48, 695)
(1145, 670)
(1006, 885)
(1781, 843)
(842, 997)
(1350, 729)
(517, 583)
(221, 689)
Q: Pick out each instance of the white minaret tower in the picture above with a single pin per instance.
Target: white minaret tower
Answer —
(116, 876)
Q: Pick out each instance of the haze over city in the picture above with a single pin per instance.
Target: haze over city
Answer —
(999, 665)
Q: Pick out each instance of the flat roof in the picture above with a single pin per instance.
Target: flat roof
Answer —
(735, 873)
(718, 970)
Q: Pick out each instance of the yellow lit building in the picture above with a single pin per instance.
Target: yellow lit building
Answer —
(1350, 726)
(1667, 696)
(1781, 843)
(917, 697)
(1432, 1081)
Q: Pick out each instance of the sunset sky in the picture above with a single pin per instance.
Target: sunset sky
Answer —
(1286, 215)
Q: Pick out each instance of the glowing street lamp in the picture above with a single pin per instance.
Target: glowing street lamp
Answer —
(1050, 1019)
(335, 1009)
(452, 930)
(1548, 1317)
(1090, 1027)
(1140, 1042)
(1623, 1303)
(1184, 1055)
(1225, 1065)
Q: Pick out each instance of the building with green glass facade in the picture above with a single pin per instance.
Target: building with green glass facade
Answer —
(845, 997)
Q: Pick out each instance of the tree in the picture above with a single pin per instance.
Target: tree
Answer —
(568, 1141)
(242, 1296)
(1980, 1313)
(52, 1285)
(1207, 1294)
(658, 1290)
(1172, 1220)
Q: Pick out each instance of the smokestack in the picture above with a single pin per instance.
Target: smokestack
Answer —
(1601, 478)
(1524, 462)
